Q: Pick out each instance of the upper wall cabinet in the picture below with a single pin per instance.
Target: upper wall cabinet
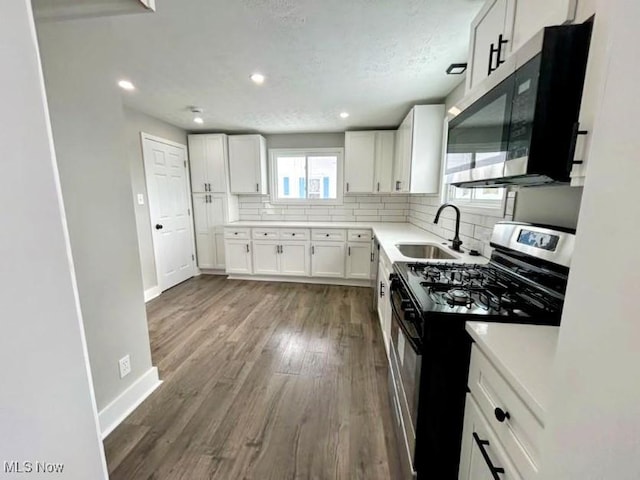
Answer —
(418, 151)
(368, 161)
(209, 159)
(503, 26)
(248, 164)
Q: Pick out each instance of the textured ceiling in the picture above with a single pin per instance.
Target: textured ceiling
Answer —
(372, 58)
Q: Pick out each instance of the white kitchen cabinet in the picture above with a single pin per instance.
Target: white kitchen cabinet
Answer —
(208, 158)
(358, 260)
(266, 257)
(368, 163)
(383, 169)
(238, 256)
(418, 150)
(477, 436)
(328, 259)
(384, 299)
(295, 259)
(273, 257)
(248, 164)
(503, 26)
(209, 217)
(359, 161)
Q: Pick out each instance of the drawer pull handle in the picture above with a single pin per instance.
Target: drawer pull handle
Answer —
(501, 415)
(481, 444)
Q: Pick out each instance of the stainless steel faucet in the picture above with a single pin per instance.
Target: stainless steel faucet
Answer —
(456, 242)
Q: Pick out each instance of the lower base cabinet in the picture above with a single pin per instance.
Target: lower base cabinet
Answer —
(209, 216)
(281, 258)
(327, 259)
(238, 256)
(482, 456)
(359, 260)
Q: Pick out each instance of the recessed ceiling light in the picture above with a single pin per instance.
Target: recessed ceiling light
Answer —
(257, 78)
(456, 69)
(455, 111)
(198, 120)
(344, 115)
(126, 85)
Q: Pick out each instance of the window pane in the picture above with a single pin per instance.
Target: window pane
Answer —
(463, 194)
(489, 194)
(291, 177)
(323, 177)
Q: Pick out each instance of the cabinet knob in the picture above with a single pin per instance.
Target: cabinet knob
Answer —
(159, 227)
(501, 415)
(327, 235)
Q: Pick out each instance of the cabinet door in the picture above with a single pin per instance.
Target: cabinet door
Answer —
(247, 164)
(327, 259)
(359, 260)
(238, 256)
(219, 249)
(216, 150)
(266, 257)
(385, 147)
(404, 152)
(204, 240)
(295, 259)
(473, 465)
(359, 161)
(485, 30)
(197, 163)
(531, 16)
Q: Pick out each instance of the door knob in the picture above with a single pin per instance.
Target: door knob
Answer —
(159, 227)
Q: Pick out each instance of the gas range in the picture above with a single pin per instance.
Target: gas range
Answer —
(475, 289)
(524, 282)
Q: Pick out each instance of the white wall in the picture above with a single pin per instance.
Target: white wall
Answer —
(593, 425)
(47, 408)
(136, 122)
(87, 120)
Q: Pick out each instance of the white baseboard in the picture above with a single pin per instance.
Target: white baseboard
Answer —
(151, 293)
(315, 280)
(113, 414)
(212, 271)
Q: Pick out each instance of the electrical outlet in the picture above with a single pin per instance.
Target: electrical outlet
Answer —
(125, 366)
(140, 199)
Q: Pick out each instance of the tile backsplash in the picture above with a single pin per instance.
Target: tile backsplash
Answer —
(355, 208)
(475, 229)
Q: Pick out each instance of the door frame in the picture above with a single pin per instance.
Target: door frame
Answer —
(146, 136)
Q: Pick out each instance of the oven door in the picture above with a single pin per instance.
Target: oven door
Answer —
(406, 362)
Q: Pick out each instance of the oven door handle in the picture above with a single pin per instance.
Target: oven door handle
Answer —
(413, 339)
(492, 468)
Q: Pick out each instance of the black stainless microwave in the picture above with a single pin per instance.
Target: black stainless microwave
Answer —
(520, 125)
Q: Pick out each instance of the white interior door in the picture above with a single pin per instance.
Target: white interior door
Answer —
(168, 196)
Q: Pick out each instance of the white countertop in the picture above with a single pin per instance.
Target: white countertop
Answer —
(523, 354)
(388, 235)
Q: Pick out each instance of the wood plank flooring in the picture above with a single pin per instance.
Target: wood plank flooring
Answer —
(261, 381)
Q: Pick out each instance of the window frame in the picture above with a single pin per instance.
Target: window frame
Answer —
(274, 153)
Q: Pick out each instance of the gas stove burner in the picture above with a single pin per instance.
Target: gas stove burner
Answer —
(458, 296)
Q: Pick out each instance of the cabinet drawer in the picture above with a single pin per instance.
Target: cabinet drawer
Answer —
(328, 234)
(243, 233)
(359, 235)
(521, 433)
(294, 234)
(266, 233)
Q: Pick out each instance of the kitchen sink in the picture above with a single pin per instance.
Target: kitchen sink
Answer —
(424, 250)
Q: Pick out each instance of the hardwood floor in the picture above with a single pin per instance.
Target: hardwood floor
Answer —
(261, 381)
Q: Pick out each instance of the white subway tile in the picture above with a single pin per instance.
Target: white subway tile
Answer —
(393, 218)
